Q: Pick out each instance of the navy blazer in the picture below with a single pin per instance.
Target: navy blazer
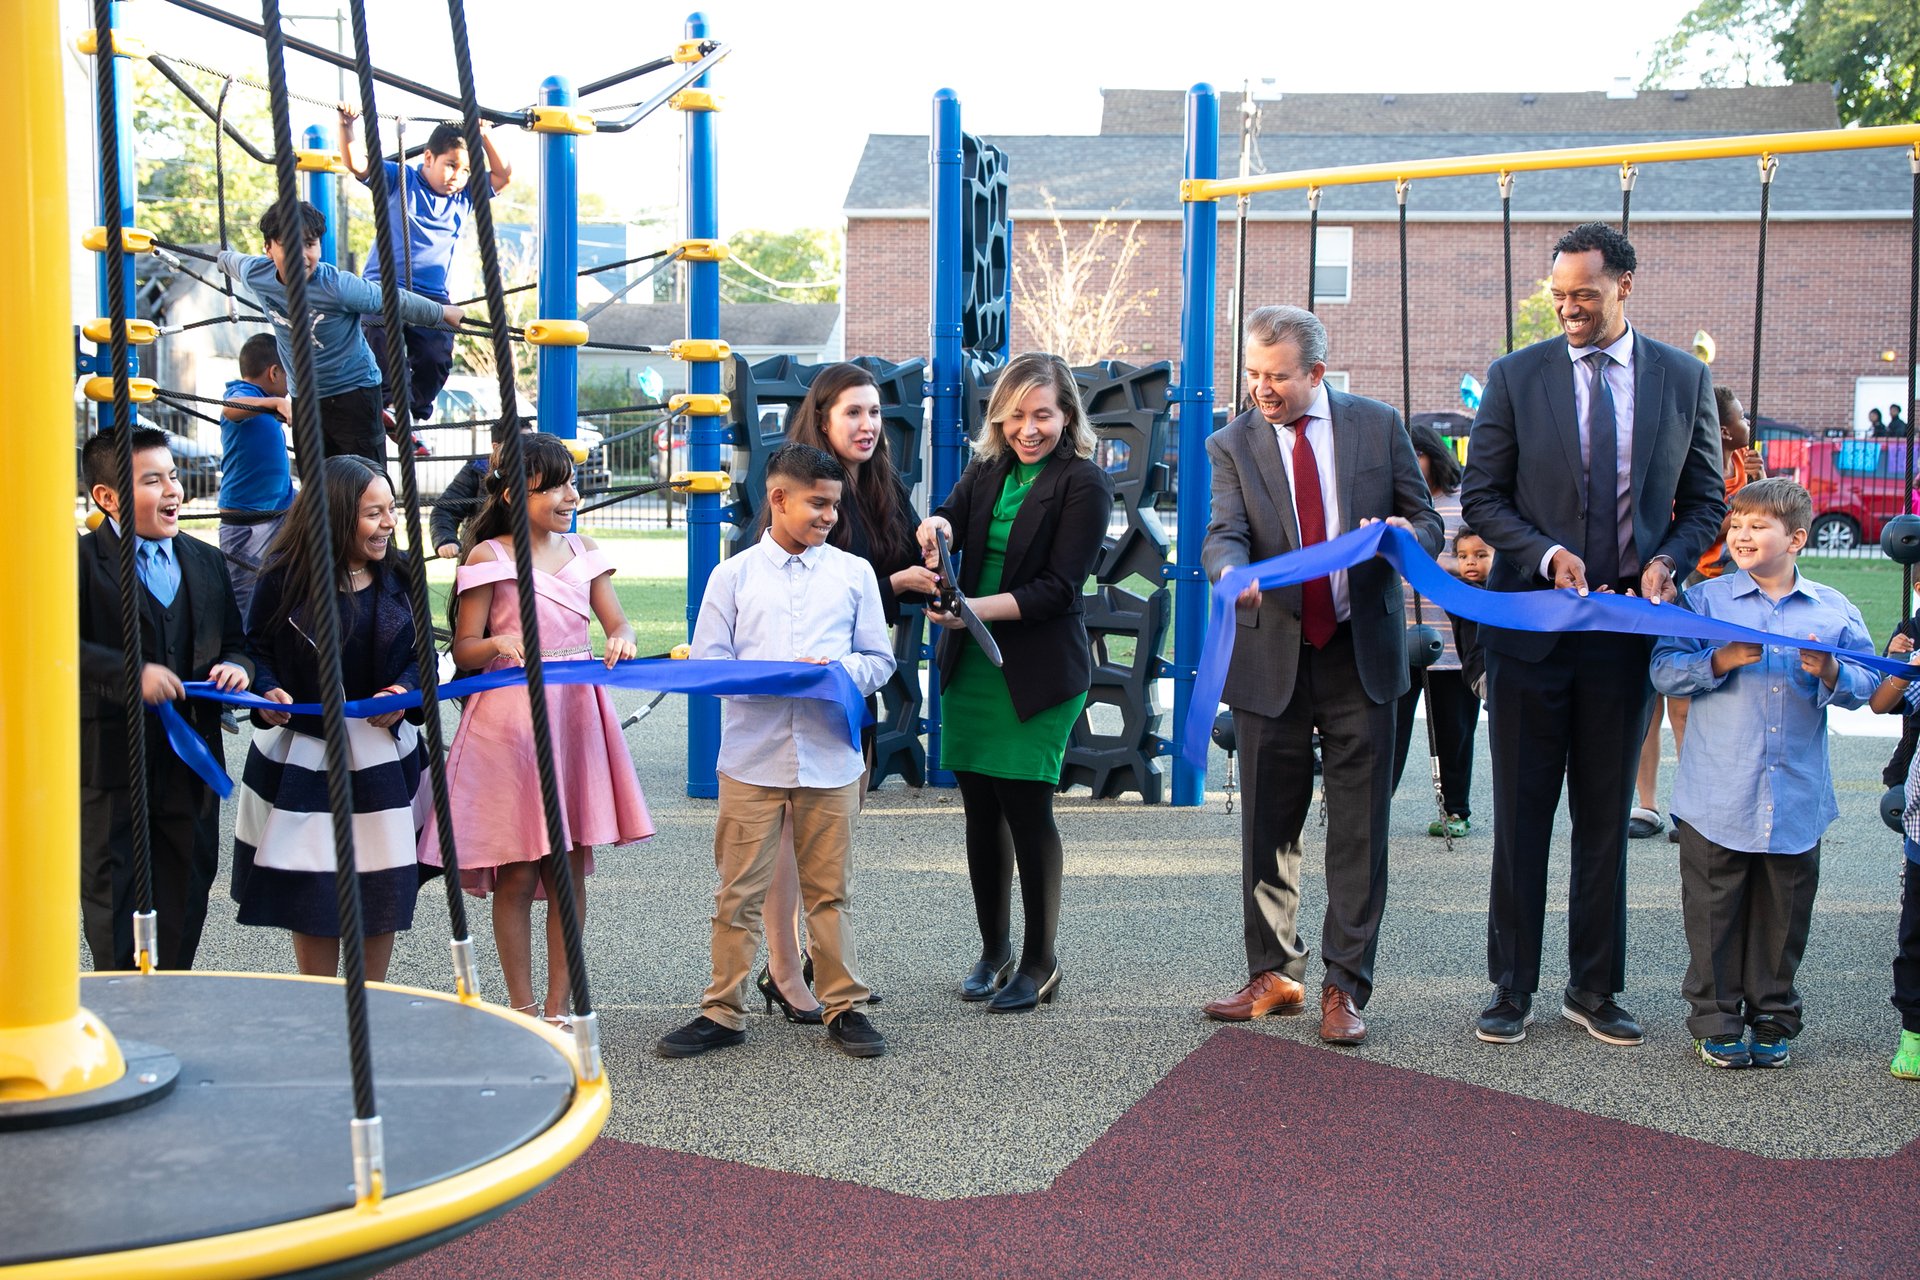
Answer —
(1524, 488)
(1051, 549)
(279, 640)
(217, 637)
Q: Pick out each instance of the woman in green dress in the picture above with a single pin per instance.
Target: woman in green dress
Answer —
(1027, 519)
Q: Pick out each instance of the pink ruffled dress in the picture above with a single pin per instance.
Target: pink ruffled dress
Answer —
(492, 782)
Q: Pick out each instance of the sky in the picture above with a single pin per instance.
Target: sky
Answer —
(806, 83)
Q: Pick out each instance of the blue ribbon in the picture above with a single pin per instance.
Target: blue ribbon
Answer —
(1555, 611)
(713, 677)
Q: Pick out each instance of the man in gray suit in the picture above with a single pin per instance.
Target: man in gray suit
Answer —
(1305, 464)
(1594, 465)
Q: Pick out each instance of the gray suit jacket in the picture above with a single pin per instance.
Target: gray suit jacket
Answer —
(1524, 490)
(1253, 518)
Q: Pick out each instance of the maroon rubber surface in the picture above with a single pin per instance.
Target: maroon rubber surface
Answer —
(1255, 1156)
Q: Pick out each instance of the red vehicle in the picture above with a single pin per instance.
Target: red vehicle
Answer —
(1857, 486)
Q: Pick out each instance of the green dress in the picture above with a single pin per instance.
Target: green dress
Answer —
(980, 731)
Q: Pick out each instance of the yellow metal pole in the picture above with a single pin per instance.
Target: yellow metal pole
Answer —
(1892, 135)
(49, 1045)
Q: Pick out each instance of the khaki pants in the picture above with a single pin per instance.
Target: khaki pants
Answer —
(745, 841)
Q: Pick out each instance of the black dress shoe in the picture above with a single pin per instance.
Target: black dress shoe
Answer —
(697, 1037)
(1505, 1021)
(1021, 993)
(856, 1036)
(984, 979)
(1604, 1020)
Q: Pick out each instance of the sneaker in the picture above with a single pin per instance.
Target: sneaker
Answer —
(1606, 1021)
(1506, 1020)
(1449, 826)
(856, 1036)
(229, 721)
(1768, 1048)
(1724, 1051)
(697, 1037)
(1643, 823)
(1906, 1059)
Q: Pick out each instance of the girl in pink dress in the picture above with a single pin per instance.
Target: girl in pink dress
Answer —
(492, 779)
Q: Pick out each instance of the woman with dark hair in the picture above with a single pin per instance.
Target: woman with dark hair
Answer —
(1454, 707)
(1028, 517)
(841, 415)
(283, 830)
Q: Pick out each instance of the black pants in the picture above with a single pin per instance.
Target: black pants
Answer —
(350, 424)
(184, 826)
(1747, 916)
(1010, 824)
(1455, 716)
(1906, 961)
(1277, 781)
(429, 363)
(1579, 715)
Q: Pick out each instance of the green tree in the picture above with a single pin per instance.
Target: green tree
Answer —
(809, 256)
(1533, 320)
(1869, 49)
(174, 160)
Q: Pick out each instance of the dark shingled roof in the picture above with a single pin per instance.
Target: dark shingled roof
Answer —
(1140, 174)
(743, 324)
(1755, 109)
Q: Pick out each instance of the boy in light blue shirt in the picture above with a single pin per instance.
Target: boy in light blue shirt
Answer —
(346, 378)
(1754, 794)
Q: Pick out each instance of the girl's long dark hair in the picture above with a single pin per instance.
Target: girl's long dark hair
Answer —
(1443, 467)
(875, 486)
(549, 462)
(343, 479)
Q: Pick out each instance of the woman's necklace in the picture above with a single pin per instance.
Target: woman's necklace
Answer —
(354, 577)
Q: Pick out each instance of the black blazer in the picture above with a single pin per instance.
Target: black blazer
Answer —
(278, 640)
(217, 637)
(1523, 490)
(1052, 547)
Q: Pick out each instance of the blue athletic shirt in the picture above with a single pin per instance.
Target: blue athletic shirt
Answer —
(435, 222)
(254, 475)
(342, 360)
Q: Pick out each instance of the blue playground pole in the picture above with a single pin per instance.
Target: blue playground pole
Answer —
(322, 188)
(121, 70)
(559, 367)
(1195, 398)
(705, 432)
(947, 383)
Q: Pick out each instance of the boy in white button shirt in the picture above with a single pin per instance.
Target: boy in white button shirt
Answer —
(789, 598)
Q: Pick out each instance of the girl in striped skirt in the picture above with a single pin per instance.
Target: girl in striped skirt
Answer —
(283, 861)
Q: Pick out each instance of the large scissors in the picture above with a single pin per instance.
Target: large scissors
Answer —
(951, 602)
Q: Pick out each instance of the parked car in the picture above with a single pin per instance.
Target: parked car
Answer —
(1857, 486)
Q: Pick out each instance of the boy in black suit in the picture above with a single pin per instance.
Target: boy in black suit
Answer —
(189, 630)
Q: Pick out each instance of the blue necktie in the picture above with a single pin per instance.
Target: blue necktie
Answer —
(156, 570)
(1602, 550)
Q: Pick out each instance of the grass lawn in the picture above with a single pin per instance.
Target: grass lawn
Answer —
(657, 607)
(1873, 584)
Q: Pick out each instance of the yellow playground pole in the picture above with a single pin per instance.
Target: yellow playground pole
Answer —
(49, 1045)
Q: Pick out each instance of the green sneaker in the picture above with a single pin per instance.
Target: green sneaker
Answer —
(1450, 826)
(1906, 1059)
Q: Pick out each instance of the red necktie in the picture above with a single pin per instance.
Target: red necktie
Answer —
(1316, 606)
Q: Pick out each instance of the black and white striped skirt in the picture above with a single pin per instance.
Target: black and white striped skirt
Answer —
(283, 860)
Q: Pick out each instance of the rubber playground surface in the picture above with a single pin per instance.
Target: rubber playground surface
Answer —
(1119, 1133)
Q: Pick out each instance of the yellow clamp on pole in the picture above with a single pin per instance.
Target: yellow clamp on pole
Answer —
(708, 404)
(680, 652)
(695, 100)
(124, 45)
(139, 332)
(561, 120)
(703, 250)
(579, 451)
(688, 51)
(698, 350)
(700, 481)
(557, 333)
(99, 389)
(319, 160)
(132, 239)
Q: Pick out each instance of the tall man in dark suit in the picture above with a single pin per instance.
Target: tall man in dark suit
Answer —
(1595, 465)
(1305, 464)
(189, 630)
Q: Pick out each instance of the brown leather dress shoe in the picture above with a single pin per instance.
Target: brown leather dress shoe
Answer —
(1269, 992)
(1339, 1021)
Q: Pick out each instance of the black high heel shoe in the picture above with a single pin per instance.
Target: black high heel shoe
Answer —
(771, 991)
(984, 979)
(806, 971)
(1020, 993)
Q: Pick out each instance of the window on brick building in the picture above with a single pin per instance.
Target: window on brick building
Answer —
(1333, 265)
(1338, 381)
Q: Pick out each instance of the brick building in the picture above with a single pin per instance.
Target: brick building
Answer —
(1838, 238)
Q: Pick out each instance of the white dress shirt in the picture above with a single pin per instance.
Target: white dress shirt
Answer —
(769, 605)
(1319, 429)
(1619, 376)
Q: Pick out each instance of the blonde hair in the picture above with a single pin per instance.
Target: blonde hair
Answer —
(1022, 375)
